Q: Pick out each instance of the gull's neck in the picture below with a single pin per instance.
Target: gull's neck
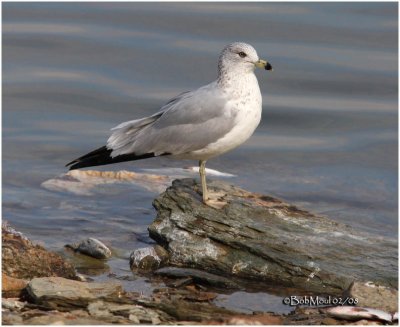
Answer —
(234, 78)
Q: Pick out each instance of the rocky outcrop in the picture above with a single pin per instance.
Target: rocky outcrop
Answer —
(187, 298)
(255, 236)
(25, 260)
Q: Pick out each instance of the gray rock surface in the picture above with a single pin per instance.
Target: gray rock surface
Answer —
(149, 258)
(375, 296)
(91, 247)
(259, 237)
(63, 294)
(198, 276)
(135, 313)
(56, 301)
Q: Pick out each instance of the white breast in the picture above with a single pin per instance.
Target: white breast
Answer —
(247, 104)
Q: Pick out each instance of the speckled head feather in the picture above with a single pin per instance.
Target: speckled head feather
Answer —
(237, 57)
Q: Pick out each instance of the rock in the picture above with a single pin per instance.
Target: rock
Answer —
(374, 296)
(10, 318)
(87, 265)
(148, 258)
(133, 312)
(12, 304)
(63, 318)
(365, 322)
(83, 182)
(262, 319)
(91, 247)
(63, 294)
(189, 293)
(198, 276)
(259, 237)
(329, 321)
(12, 287)
(24, 260)
(309, 316)
(180, 282)
(81, 278)
(135, 320)
(189, 311)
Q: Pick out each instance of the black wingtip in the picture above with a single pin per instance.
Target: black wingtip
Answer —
(70, 163)
(93, 158)
(102, 156)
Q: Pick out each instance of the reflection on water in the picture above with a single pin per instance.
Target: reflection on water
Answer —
(328, 138)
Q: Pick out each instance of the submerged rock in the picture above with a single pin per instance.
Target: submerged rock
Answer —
(198, 276)
(24, 260)
(84, 182)
(259, 237)
(91, 247)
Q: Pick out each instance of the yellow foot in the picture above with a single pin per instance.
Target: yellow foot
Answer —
(215, 200)
(216, 204)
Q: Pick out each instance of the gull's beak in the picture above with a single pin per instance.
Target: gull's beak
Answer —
(263, 64)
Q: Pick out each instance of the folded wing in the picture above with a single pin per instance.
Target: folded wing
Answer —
(187, 123)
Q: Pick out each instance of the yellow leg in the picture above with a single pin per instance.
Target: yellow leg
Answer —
(202, 170)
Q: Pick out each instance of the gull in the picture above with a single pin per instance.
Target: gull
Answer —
(199, 124)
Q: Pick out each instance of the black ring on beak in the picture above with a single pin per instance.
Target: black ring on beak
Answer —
(268, 66)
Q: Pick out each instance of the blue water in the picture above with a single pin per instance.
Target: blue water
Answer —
(328, 140)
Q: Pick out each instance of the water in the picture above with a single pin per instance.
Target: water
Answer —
(327, 142)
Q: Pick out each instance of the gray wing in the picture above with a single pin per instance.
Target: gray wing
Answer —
(186, 123)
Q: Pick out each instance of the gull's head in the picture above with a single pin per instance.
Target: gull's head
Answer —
(241, 57)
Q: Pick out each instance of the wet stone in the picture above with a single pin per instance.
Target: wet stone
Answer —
(198, 276)
(148, 259)
(261, 238)
(91, 247)
(87, 265)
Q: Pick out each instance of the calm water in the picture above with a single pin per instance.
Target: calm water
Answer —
(327, 141)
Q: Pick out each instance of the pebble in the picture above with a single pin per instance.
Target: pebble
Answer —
(91, 247)
(149, 258)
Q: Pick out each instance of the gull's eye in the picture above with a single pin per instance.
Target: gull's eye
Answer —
(242, 54)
